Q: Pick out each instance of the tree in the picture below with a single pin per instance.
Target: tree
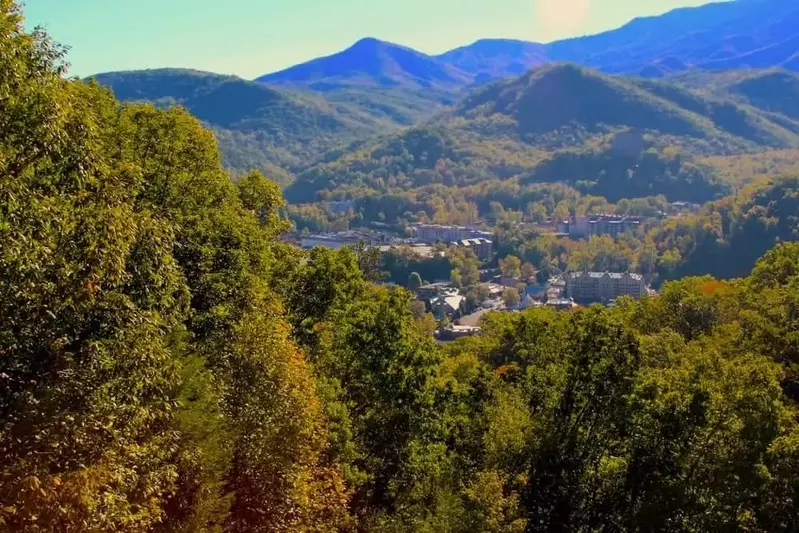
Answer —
(510, 267)
(418, 309)
(456, 277)
(414, 282)
(562, 211)
(527, 271)
(89, 290)
(135, 273)
(369, 261)
(536, 212)
(386, 366)
(281, 473)
(511, 298)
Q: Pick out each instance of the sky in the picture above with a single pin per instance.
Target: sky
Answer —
(253, 37)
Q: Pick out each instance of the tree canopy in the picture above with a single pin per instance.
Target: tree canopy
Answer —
(167, 364)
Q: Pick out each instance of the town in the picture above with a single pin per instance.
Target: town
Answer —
(458, 310)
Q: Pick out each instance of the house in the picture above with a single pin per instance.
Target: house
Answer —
(453, 333)
(528, 302)
(685, 207)
(452, 305)
(509, 282)
(426, 292)
(537, 292)
(493, 290)
(553, 293)
(561, 304)
(442, 299)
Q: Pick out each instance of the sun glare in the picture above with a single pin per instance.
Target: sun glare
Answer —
(558, 17)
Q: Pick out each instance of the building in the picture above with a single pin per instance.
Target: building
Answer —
(593, 287)
(529, 303)
(598, 225)
(482, 248)
(612, 225)
(561, 304)
(442, 299)
(431, 233)
(427, 292)
(332, 242)
(453, 333)
(685, 207)
(451, 305)
(341, 239)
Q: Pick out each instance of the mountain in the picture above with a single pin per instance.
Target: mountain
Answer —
(774, 91)
(373, 63)
(257, 126)
(559, 98)
(489, 59)
(718, 36)
(723, 35)
(562, 123)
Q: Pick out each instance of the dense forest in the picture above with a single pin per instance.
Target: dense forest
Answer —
(614, 136)
(168, 365)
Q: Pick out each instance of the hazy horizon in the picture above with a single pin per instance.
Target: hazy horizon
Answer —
(249, 38)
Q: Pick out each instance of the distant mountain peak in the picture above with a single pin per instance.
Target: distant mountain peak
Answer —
(367, 42)
(371, 62)
(720, 35)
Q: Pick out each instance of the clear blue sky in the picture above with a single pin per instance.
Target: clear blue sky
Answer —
(253, 37)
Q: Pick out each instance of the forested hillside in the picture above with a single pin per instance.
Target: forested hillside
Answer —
(563, 123)
(731, 234)
(275, 130)
(285, 122)
(168, 365)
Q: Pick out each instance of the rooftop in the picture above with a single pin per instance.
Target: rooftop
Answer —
(611, 275)
(463, 329)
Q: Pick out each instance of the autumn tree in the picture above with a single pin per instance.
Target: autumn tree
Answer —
(510, 266)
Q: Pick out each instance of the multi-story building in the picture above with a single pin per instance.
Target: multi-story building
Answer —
(612, 225)
(592, 287)
(599, 225)
(431, 234)
(482, 248)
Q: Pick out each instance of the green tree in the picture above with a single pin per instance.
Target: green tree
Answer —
(418, 309)
(89, 292)
(414, 282)
(510, 266)
(511, 298)
(456, 277)
(386, 365)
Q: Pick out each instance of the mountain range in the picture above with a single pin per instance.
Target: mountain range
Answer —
(570, 124)
(502, 106)
(270, 128)
(718, 36)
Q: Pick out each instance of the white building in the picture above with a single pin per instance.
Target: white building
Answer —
(590, 287)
